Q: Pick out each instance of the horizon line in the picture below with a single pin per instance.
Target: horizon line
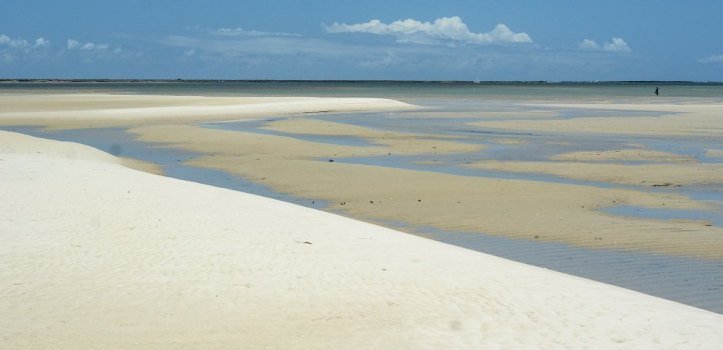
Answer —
(151, 80)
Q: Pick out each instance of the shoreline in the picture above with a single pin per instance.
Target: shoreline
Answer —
(140, 259)
(671, 277)
(380, 194)
(67, 111)
(224, 257)
(298, 166)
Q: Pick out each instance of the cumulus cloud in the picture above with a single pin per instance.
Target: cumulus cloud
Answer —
(589, 45)
(443, 30)
(41, 42)
(615, 45)
(22, 44)
(18, 43)
(12, 49)
(711, 59)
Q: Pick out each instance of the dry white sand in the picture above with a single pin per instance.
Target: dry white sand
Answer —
(99, 256)
(106, 110)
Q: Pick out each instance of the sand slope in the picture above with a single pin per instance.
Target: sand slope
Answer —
(100, 256)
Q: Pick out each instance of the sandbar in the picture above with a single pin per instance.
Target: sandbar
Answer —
(513, 208)
(657, 175)
(533, 210)
(97, 255)
(715, 153)
(623, 155)
(690, 119)
(109, 110)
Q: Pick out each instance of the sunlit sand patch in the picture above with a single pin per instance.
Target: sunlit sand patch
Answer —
(560, 142)
(623, 155)
(44, 102)
(714, 153)
(508, 141)
(517, 112)
(658, 175)
(675, 119)
(395, 142)
(431, 162)
(137, 164)
(84, 111)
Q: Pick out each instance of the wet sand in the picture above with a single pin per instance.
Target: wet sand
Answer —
(150, 256)
(276, 155)
(102, 256)
(513, 208)
(656, 175)
(674, 119)
(624, 155)
(715, 153)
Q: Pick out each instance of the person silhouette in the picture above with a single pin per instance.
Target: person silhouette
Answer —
(657, 91)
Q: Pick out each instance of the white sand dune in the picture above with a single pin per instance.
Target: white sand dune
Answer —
(99, 256)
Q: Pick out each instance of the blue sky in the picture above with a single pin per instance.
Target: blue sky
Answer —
(372, 39)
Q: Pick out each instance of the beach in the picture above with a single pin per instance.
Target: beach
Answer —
(515, 207)
(103, 255)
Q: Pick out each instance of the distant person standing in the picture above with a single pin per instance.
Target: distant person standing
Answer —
(657, 91)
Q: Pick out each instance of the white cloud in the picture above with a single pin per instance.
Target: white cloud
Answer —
(615, 45)
(13, 43)
(72, 44)
(13, 49)
(589, 45)
(446, 29)
(241, 32)
(41, 42)
(711, 59)
(20, 43)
